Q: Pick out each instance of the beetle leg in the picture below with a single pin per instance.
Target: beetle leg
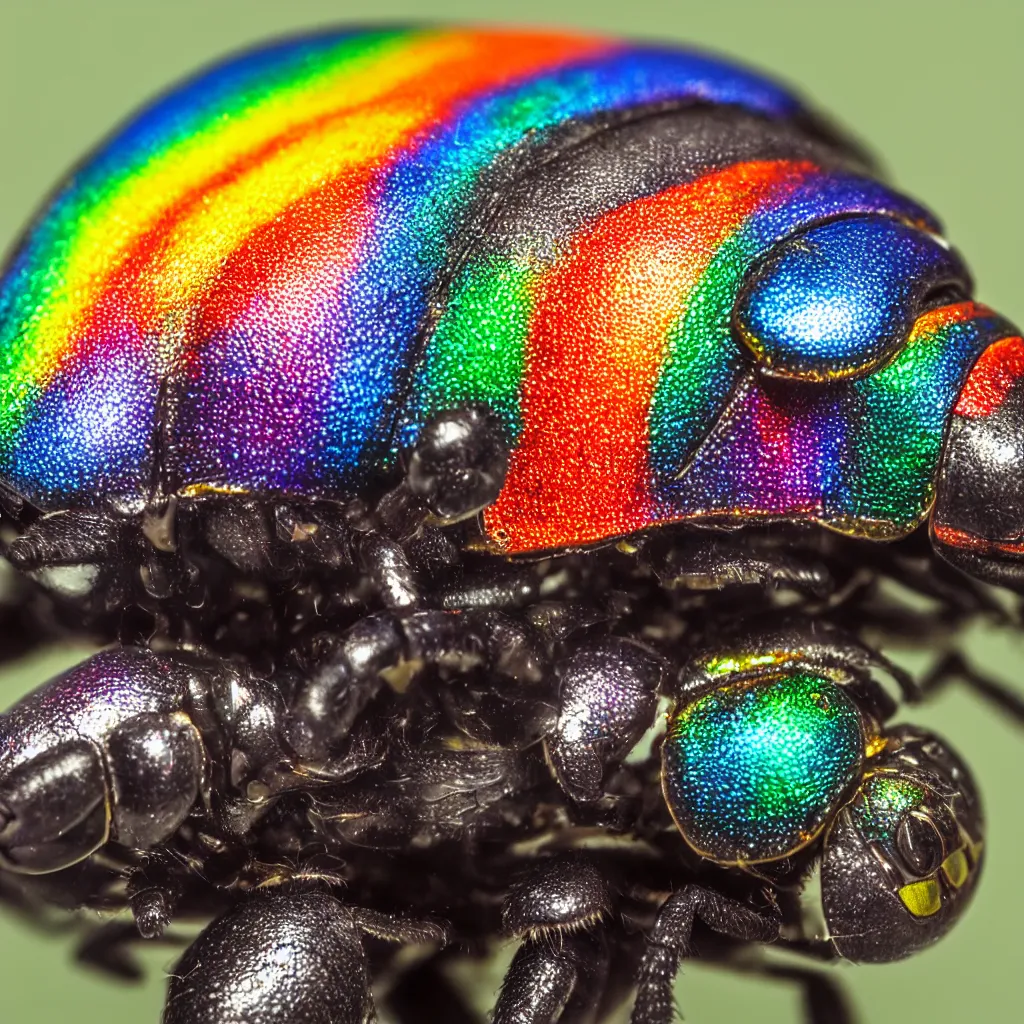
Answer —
(824, 998)
(459, 461)
(108, 948)
(554, 980)
(402, 930)
(328, 703)
(607, 700)
(560, 971)
(240, 532)
(517, 589)
(387, 567)
(153, 893)
(954, 668)
(78, 556)
(713, 563)
(77, 537)
(669, 943)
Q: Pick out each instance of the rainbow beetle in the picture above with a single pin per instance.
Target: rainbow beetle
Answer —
(587, 290)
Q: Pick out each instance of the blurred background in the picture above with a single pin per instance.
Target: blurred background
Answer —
(936, 88)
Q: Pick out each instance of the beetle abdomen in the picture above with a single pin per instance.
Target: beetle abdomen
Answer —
(228, 295)
(683, 296)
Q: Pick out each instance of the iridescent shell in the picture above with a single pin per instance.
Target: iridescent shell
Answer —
(269, 279)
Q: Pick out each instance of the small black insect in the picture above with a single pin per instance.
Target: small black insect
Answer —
(473, 758)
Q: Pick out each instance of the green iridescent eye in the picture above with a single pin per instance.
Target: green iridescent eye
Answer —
(885, 798)
(752, 771)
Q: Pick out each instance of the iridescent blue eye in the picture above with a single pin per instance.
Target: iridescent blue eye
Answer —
(838, 300)
(753, 770)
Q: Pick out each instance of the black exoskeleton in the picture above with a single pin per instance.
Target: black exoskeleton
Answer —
(282, 956)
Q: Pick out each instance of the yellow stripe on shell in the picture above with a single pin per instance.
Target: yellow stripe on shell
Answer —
(198, 246)
(109, 229)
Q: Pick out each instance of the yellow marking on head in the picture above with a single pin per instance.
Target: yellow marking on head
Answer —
(922, 898)
(956, 869)
(974, 847)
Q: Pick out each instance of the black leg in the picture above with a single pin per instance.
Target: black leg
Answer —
(537, 986)
(108, 949)
(456, 467)
(607, 699)
(459, 462)
(387, 567)
(670, 942)
(953, 668)
(516, 589)
(716, 563)
(153, 893)
(554, 978)
(560, 972)
(399, 930)
(328, 703)
(824, 1000)
(67, 538)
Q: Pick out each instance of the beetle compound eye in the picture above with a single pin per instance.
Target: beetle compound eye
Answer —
(753, 770)
(919, 844)
(839, 300)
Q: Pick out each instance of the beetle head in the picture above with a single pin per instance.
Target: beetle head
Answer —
(901, 860)
(978, 522)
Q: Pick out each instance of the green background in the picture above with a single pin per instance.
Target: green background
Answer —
(936, 88)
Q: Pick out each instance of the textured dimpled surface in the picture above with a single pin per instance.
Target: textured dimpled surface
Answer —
(994, 375)
(274, 959)
(270, 278)
(860, 455)
(90, 700)
(246, 267)
(884, 799)
(752, 771)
